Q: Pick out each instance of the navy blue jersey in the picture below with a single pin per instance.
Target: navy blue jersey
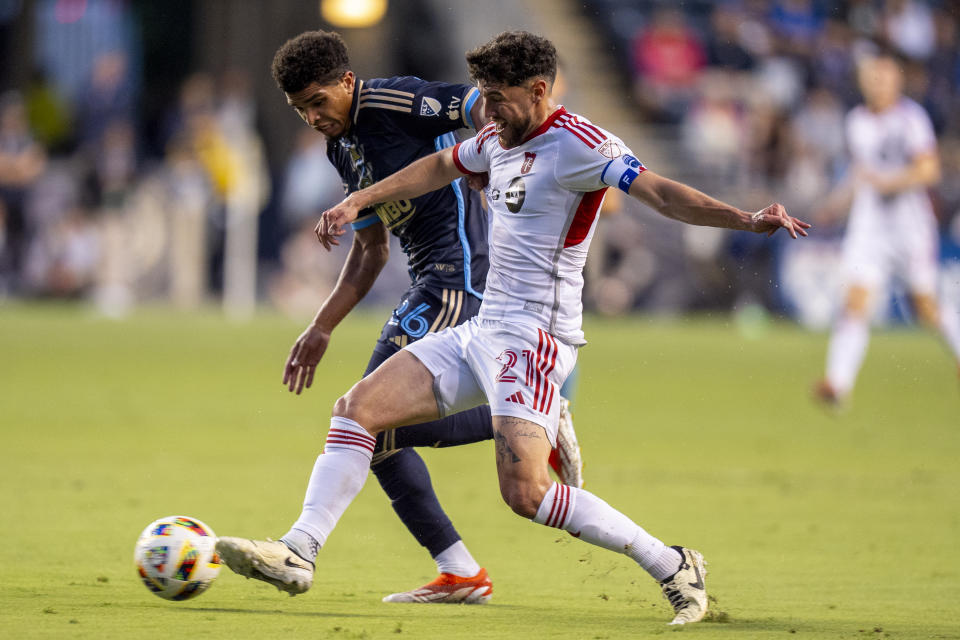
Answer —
(394, 122)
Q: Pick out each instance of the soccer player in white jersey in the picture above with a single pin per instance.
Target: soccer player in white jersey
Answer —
(892, 229)
(548, 170)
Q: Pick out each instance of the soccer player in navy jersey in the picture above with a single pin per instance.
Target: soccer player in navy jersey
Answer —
(374, 128)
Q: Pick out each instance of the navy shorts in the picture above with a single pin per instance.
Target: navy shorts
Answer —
(423, 309)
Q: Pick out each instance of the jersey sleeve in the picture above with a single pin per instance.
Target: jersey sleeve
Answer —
(920, 135)
(429, 109)
(469, 155)
(591, 162)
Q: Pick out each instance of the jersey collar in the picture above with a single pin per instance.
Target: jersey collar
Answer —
(559, 111)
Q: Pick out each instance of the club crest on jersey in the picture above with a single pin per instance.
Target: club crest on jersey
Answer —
(528, 158)
(610, 149)
(515, 194)
(430, 107)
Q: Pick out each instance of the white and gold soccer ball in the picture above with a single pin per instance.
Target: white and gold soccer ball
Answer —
(176, 557)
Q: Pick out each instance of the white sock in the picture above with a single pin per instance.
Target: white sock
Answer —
(592, 520)
(456, 559)
(848, 345)
(338, 475)
(950, 328)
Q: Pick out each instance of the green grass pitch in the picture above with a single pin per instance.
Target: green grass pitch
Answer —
(813, 525)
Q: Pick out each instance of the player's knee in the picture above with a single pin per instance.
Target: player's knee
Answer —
(523, 498)
(351, 406)
(857, 302)
(926, 309)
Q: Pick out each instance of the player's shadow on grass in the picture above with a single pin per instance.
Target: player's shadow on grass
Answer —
(308, 614)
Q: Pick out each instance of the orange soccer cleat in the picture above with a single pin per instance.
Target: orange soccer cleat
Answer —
(449, 589)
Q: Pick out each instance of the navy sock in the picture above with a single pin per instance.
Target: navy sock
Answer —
(405, 479)
(466, 427)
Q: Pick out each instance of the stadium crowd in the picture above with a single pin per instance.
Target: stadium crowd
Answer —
(746, 98)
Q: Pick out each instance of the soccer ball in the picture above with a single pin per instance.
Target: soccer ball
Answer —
(176, 558)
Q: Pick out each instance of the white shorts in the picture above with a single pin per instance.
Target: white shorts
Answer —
(873, 254)
(517, 369)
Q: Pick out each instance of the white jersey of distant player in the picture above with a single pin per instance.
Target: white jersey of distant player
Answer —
(544, 196)
(896, 232)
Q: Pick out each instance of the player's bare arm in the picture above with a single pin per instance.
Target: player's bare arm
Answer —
(680, 202)
(423, 176)
(367, 257)
(923, 171)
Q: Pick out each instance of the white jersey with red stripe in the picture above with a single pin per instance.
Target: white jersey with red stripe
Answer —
(544, 195)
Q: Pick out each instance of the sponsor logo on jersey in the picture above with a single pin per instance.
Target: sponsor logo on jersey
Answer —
(515, 194)
(528, 158)
(443, 267)
(453, 109)
(610, 149)
(395, 213)
(430, 107)
(535, 307)
(494, 194)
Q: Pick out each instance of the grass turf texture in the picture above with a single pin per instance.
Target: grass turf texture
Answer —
(818, 525)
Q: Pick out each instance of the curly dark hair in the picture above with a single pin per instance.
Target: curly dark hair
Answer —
(312, 56)
(513, 57)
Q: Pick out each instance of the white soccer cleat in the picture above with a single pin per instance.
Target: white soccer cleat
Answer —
(267, 560)
(685, 590)
(565, 459)
(449, 589)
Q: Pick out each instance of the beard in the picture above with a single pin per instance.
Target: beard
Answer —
(511, 133)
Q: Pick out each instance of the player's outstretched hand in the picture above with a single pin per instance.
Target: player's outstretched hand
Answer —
(774, 217)
(304, 357)
(332, 222)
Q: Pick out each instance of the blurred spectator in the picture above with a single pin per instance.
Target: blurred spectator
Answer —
(190, 196)
(767, 148)
(49, 114)
(22, 161)
(667, 57)
(63, 257)
(796, 24)
(818, 130)
(944, 64)
(908, 25)
(725, 47)
(831, 62)
(864, 17)
(713, 128)
(106, 98)
(311, 184)
(115, 166)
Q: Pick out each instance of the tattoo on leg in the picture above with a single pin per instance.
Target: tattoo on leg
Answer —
(504, 452)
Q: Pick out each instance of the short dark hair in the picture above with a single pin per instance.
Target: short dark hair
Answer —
(312, 56)
(512, 58)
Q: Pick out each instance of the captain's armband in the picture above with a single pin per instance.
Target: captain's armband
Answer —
(621, 172)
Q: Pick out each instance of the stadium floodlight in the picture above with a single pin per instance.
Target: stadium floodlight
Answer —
(353, 13)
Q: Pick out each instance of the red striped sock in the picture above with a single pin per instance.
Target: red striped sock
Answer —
(344, 464)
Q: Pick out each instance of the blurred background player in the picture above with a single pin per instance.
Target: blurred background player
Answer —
(374, 128)
(892, 229)
(549, 171)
